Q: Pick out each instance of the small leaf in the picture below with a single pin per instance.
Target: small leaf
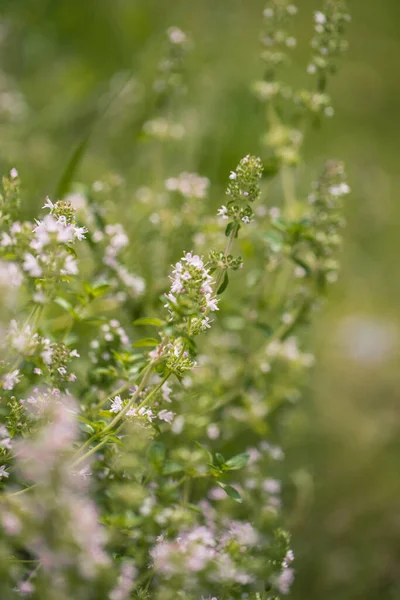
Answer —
(67, 306)
(281, 224)
(219, 459)
(156, 454)
(274, 240)
(229, 228)
(267, 329)
(149, 321)
(170, 468)
(71, 251)
(67, 177)
(94, 320)
(230, 491)
(271, 167)
(194, 507)
(146, 342)
(63, 303)
(224, 283)
(302, 264)
(100, 290)
(210, 458)
(237, 462)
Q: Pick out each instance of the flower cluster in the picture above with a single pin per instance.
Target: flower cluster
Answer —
(164, 130)
(109, 344)
(287, 108)
(170, 79)
(191, 296)
(75, 541)
(190, 185)
(9, 197)
(169, 87)
(44, 250)
(144, 412)
(243, 189)
(328, 42)
(114, 241)
(46, 359)
(326, 219)
(275, 38)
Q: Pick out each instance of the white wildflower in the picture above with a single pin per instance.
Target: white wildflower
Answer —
(116, 404)
(31, 265)
(10, 380)
(3, 473)
(166, 415)
(223, 212)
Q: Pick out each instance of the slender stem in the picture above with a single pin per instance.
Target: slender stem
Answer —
(123, 412)
(228, 249)
(90, 452)
(289, 191)
(283, 331)
(288, 187)
(117, 392)
(177, 483)
(20, 492)
(186, 491)
(154, 391)
(146, 400)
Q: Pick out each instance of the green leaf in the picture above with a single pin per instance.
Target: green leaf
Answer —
(149, 321)
(63, 303)
(195, 508)
(209, 455)
(67, 177)
(67, 306)
(224, 283)
(267, 329)
(87, 425)
(219, 459)
(274, 240)
(230, 491)
(71, 251)
(100, 289)
(229, 228)
(302, 264)
(146, 342)
(271, 167)
(156, 454)
(94, 320)
(237, 462)
(280, 224)
(170, 468)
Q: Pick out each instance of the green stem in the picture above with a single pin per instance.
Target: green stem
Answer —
(20, 492)
(186, 492)
(289, 191)
(177, 483)
(288, 187)
(117, 392)
(228, 249)
(146, 400)
(90, 452)
(122, 413)
(154, 391)
(283, 331)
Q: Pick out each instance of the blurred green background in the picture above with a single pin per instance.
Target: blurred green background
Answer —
(59, 62)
